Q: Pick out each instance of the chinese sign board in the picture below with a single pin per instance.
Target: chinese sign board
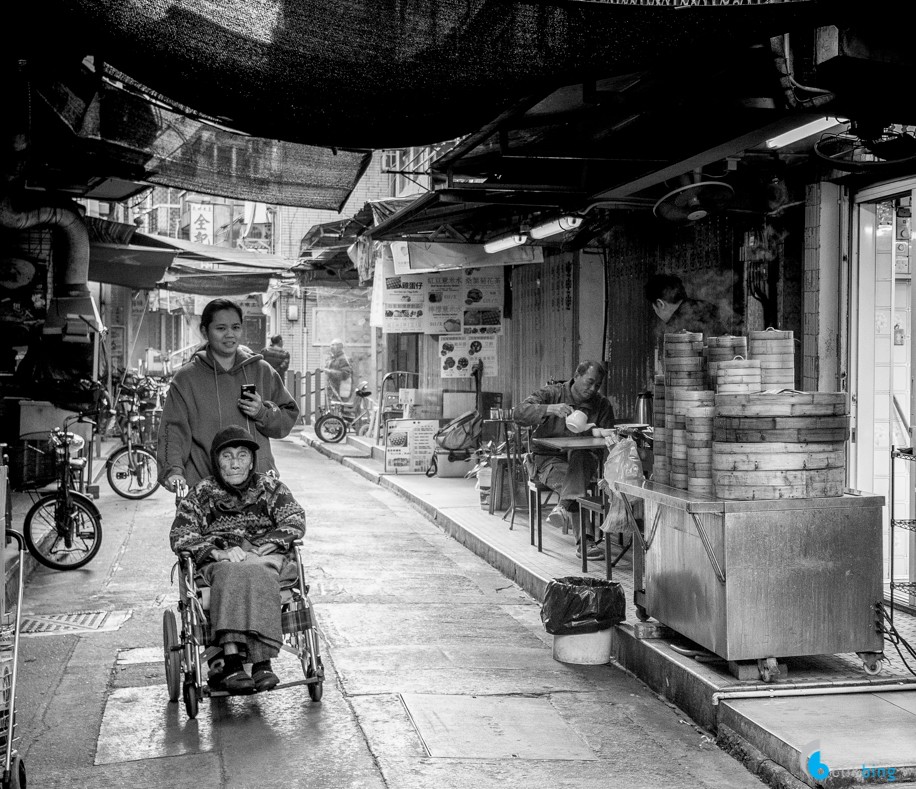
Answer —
(409, 445)
(201, 223)
(448, 302)
(458, 354)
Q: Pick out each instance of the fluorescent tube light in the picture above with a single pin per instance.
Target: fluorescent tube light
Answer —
(794, 135)
(559, 225)
(505, 242)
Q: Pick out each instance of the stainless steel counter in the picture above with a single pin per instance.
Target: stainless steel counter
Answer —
(750, 580)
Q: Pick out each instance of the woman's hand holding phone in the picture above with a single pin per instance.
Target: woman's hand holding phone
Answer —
(250, 402)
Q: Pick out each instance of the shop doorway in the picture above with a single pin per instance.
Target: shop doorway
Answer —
(882, 394)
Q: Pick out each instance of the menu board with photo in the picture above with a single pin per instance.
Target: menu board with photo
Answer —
(404, 303)
(445, 299)
(410, 445)
(482, 303)
(458, 354)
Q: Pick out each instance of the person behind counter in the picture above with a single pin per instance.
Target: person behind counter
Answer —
(677, 311)
(567, 473)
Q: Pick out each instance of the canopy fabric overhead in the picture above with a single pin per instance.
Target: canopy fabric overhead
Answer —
(136, 267)
(188, 252)
(169, 149)
(222, 281)
(371, 74)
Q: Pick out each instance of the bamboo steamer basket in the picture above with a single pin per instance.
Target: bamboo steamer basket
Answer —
(738, 376)
(683, 336)
(769, 404)
(780, 445)
(722, 349)
(775, 350)
(768, 334)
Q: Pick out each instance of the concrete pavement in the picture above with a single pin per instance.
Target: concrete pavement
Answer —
(863, 725)
(439, 670)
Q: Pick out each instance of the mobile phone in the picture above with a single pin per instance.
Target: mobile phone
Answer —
(248, 389)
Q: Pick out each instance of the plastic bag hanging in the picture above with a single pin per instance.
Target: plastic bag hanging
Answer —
(622, 465)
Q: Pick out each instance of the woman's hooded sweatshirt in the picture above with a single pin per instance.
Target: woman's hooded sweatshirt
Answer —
(203, 399)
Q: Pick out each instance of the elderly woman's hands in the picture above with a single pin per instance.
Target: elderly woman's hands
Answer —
(233, 554)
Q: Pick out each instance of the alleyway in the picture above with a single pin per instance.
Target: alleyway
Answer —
(440, 673)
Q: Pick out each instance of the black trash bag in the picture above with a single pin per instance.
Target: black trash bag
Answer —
(582, 605)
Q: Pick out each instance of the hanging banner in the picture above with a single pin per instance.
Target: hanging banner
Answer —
(458, 353)
(410, 445)
(201, 223)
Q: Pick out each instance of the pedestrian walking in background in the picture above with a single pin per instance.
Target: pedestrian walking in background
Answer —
(339, 372)
(220, 385)
(276, 356)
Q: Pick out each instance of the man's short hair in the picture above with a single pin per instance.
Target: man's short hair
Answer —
(666, 287)
(277, 339)
(589, 364)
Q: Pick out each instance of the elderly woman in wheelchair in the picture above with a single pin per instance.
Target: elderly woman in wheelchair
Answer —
(239, 528)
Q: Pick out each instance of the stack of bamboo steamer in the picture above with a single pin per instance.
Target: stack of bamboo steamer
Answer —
(699, 419)
(660, 450)
(722, 349)
(779, 445)
(775, 350)
(739, 376)
(685, 371)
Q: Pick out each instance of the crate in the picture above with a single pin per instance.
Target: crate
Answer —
(32, 463)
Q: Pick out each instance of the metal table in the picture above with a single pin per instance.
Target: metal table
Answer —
(759, 580)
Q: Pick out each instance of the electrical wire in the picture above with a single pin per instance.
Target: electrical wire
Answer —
(892, 636)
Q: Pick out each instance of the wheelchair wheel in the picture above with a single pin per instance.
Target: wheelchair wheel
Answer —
(172, 647)
(190, 699)
(306, 647)
(331, 428)
(16, 778)
(316, 689)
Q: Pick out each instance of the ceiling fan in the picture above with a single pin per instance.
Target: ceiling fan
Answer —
(867, 147)
(694, 201)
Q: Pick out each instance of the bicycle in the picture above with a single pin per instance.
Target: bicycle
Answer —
(131, 469)
(62, 530)
(332, 426)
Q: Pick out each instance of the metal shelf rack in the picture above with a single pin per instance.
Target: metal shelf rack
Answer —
(905, 587)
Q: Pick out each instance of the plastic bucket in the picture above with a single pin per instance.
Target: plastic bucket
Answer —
(587, 649)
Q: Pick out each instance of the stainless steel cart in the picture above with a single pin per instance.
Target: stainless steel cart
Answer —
(760, 580)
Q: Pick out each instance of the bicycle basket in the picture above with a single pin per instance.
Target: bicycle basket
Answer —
(32, 463)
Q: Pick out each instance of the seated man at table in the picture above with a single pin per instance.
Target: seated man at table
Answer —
(569, 474)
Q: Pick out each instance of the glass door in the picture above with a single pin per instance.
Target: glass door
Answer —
(882, 393)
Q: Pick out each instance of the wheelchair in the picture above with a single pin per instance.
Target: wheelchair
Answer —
(186, 637)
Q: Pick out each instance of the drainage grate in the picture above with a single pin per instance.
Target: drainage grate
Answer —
(77, 622)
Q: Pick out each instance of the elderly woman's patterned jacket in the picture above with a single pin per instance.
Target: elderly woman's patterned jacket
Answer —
(211, 517)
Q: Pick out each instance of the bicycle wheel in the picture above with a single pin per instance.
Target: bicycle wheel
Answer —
(66, 542)
(331, 428)
(134, 473)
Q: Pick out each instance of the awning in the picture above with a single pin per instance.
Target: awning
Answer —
(118, 255)
(365, 74)
(136, 267)
(219, 281)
